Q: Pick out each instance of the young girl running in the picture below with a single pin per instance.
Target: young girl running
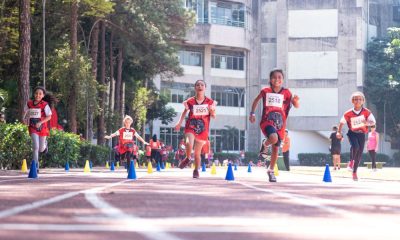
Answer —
(357, 119)
(126, 143)
(38, 113)
(200, 109)
(277, 102)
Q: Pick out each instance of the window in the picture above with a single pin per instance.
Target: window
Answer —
(200, 8)
(191, 58)
(227, 139)
(227, 96)
(177, 92)
(396, 13)
(170, 137)
(227, 13)
(227, 60)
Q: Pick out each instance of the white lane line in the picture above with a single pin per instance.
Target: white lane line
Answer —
(146, 226)
(30, 206)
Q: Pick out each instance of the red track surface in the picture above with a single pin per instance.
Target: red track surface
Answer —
(170, 205)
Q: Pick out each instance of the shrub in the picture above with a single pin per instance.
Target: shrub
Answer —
(95, 153)
(320, 159)
(15, 145)
(63, 147)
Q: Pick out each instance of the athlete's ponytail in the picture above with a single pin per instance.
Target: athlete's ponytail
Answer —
(50, 99)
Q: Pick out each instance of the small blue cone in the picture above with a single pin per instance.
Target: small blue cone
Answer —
(112, 167)
(67, 167)
(229, 173)
(203, 167)
(132, 172)
(90, 164)
(33, 170)
(249, 168)
(158, 167)
(162, 165)
(327, 174)
(235, 168)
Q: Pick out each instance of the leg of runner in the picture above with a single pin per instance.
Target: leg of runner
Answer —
(198, 145)
(189, 142)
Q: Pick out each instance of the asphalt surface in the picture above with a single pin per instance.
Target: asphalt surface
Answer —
(171, 205)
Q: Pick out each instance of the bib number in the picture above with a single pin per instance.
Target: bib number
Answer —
(274, 100)
(357, 122)
(127, 136)
(35, 113)
(200, 110)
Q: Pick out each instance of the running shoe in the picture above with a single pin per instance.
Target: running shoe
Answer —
(263, 151)
(355, 178)
(184, 163)
(196, 173)
(271, 176)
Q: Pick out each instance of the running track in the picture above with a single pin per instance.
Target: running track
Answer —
(170, 205)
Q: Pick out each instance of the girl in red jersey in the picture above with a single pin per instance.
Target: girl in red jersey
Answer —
(277, 102)
(200, 109)
(37, 114)
(126, 143)
(357, 119)
(155, 149)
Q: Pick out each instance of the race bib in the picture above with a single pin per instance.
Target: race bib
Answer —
(357, 122)
(274, 100)
(35, 113)
(200, 110)
(127, 136)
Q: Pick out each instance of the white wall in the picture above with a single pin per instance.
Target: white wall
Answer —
(192, 70)
(216, 72)
(313, 23)
(316, 102)
(307, 142)
(313, 65)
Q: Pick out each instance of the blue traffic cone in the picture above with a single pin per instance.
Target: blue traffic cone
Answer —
(132, 172)
(229, 173)
(327, 174)
(162, 165)
(203, 167)
(158, 167)
(67, 167)
(90, 164)
(112, 167)
(249, 168)
(235, 168)
(33, 170)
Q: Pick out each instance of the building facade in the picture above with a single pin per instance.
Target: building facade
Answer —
(320, 45)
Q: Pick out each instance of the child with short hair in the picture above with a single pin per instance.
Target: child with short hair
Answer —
(126, 143)
(277, 102)
(357, 119)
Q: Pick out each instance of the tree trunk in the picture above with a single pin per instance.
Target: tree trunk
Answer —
(111, 97)
(118, 84)
(72, 100)
(102, 81)
(24, 55)
(94, 55)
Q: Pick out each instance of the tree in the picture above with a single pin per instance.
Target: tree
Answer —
(24, 56)
(382, 85)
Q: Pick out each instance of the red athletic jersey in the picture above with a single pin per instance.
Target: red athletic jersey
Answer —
(37, 113)
(357, 122)
(135, 149)
(155, 144)
(276, 106)
(198, 121)
(126, 137)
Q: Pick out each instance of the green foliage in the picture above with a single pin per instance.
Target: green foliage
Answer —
(62, 147)
(383, 81)
(95, 153)
(320, 159)
(159, 110)
(140, 104)
(15, 145)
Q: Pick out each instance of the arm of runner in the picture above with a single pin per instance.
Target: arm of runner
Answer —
(252, 116)
(178, 124)
(47, 111)
(112, 135)
(377, 142)
(339, 131)
(212, 109)
(141, 139)
(295, 101)
(371, 120)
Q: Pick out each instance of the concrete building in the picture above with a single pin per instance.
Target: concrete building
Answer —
(320, 45)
